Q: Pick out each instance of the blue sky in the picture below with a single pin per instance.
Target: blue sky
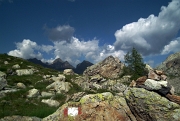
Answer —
(77, 30)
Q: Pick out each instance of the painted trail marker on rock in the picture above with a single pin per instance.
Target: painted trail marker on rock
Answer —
(72, 111)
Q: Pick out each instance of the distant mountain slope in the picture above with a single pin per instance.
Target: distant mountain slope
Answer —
(36, 61)
(60, 65)
(171, 66)
(82, 66)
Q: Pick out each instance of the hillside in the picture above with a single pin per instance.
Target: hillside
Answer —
(32, 92)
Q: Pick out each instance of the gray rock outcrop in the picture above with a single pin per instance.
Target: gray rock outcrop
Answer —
(50, 102)
(108, 68)
(33, 93)
(3, 81)
(150, 106)
(21, 72)
(60, 86)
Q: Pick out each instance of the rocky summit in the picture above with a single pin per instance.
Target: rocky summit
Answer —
(30, 92)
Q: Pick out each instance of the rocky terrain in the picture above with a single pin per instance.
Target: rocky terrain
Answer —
(30, 92)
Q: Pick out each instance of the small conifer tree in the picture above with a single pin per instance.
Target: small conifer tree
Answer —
(134, 64)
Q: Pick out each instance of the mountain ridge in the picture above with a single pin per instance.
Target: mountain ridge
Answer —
(60, 65)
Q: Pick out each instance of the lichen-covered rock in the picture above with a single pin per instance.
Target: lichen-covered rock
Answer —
(150, 106)
(60, 86)
(109, 68)
(95, 107)
(20, 118)
(3, 81)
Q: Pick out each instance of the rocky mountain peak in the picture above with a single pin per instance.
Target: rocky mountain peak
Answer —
(82, 66)
(58, 60)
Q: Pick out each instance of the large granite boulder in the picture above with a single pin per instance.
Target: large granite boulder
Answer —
(96, 107)
(21, 72)
(3, 81)
(109, 68)
(59, 78)
(150, 106)
(60, 86)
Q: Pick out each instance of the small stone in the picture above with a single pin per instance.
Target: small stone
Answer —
(141, 80)
(6, 62)
(16, 66)
(159, 72)
(33, 93)
(50, 102)
(21, 85)
(153, 75)
(46, 94)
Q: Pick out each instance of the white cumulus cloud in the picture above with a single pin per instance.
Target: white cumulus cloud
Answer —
(26, 49)
(150, 35)
(173, 46)
(74, 51)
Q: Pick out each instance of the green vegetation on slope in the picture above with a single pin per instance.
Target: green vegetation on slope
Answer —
(17, 103)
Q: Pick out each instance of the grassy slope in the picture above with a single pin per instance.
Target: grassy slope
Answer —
(17, 103)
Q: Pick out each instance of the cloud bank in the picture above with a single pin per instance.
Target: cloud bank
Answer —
(150, 35)
(74, 51)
